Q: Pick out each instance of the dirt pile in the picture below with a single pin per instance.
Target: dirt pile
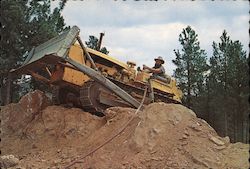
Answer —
(160, 136)
(16, 116)
(166, 136)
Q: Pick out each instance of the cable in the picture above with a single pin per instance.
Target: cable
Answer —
(111, 138)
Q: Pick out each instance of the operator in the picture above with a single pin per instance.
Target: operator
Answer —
(158, 69)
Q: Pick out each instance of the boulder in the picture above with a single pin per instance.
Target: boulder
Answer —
(16, 116)
(8, 161)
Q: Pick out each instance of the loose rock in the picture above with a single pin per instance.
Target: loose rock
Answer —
(7, 161)
(216, 141)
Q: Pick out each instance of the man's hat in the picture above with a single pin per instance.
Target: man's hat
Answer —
(160, 58)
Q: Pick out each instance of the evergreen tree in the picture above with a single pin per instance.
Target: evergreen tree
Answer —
(191, 66)
(228, 80)
(25, 24)
(93, 44)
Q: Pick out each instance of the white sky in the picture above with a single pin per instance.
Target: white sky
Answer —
(141, 30)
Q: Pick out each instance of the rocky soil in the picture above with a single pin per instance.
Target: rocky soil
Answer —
(35, 134)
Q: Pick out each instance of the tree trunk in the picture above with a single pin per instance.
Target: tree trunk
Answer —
(225, 96)
(1, 95)
(8, 90)
(189, 85)
(2, 90)
(208, 103)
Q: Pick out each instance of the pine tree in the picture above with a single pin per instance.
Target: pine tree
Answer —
(191, 66)
(25, 24)
(229, 82)
(93, 44)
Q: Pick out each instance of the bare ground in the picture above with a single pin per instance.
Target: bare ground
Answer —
(160, 136)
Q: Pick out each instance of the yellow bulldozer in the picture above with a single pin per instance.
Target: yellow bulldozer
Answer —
(91, 80)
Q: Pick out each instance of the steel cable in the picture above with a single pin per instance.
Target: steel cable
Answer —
(111, 138)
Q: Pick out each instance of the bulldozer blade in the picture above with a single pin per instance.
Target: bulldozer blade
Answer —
(52, 51)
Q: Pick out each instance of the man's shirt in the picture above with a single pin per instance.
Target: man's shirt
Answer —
(162, 73)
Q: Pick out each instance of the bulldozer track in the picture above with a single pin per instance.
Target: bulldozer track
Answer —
(88, 95)
(88, 105)
(85, 97)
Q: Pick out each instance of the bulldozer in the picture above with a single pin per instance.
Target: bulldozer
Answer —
(92, 80)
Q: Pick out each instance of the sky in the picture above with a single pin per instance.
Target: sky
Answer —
(141, 30)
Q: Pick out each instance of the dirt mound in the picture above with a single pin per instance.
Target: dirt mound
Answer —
(59, 122)
(166, 136)
(16, 116)
(160, 136)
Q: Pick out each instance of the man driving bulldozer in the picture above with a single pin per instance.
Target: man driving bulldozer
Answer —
(158, 69)
(158, 72)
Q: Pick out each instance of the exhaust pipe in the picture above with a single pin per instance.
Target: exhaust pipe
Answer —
(100, 41)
